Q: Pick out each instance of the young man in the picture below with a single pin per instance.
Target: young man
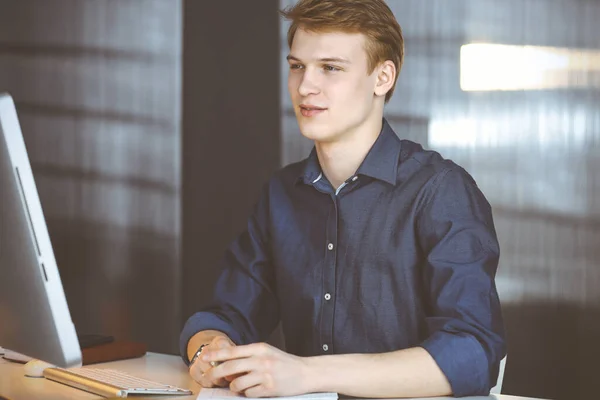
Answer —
(377, 256)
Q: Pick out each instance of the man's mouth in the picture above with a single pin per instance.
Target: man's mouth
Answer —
(311, 111)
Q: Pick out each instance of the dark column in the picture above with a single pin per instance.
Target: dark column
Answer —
(231, 129)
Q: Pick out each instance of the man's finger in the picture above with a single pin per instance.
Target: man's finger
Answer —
(222, 382)
(214, 380)
(232, 377)
(196, 372)
(206, 380)
(198, 375)
(245, 382)
(234, 352)
(234, 367)
(199, 372)
(222, 343)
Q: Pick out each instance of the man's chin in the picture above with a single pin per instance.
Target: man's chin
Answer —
(314, 135)
(314, 132)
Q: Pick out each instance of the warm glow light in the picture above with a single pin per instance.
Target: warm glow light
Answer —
(487, 67)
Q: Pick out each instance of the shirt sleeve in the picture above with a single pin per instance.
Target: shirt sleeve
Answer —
(244, 304)
(464, 319)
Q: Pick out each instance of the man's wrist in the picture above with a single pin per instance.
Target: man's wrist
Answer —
(314, 374)
(200, 338)
(198, 353)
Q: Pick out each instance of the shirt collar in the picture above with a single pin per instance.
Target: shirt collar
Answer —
(380, 163)
(312, 169)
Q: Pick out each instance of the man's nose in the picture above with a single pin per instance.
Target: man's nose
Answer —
(308, 84)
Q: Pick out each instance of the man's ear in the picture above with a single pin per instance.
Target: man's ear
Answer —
(386, 76)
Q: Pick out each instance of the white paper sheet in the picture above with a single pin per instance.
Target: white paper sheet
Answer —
(229, 395)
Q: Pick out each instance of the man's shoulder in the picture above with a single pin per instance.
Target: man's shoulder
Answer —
(414, 158)
(415, 152)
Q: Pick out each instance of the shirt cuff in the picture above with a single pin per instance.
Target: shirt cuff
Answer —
(463, 360)
(203, 321)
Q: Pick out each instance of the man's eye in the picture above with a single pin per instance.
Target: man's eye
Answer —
(295, 66)
(331, 68)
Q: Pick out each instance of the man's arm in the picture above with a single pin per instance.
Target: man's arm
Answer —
(244, 307)
(264, 371)
(405, 373)
(465, 331)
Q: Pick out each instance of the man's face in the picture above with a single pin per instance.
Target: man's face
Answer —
(329, 84)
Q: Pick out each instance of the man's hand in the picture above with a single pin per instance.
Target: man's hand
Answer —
(199, 369)
(259, 370)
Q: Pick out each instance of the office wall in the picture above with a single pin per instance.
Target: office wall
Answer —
(536, 156)
(97, 86)
(100, 89)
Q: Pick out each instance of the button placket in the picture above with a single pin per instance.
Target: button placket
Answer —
(329, 278)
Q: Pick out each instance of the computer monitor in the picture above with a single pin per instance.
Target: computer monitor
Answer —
(34, 316)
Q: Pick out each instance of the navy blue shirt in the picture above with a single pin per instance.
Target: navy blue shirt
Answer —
(403, 254)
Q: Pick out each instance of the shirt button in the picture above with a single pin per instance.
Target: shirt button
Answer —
(330, 246)
(354, 179)
(325, 347)
(327, 296)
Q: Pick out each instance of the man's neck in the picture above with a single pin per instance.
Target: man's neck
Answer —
(340, 160)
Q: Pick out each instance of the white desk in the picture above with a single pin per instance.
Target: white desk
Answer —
(157, 367)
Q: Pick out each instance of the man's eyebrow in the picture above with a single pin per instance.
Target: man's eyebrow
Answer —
(326, 59)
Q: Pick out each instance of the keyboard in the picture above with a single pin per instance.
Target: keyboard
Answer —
(110, 383)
